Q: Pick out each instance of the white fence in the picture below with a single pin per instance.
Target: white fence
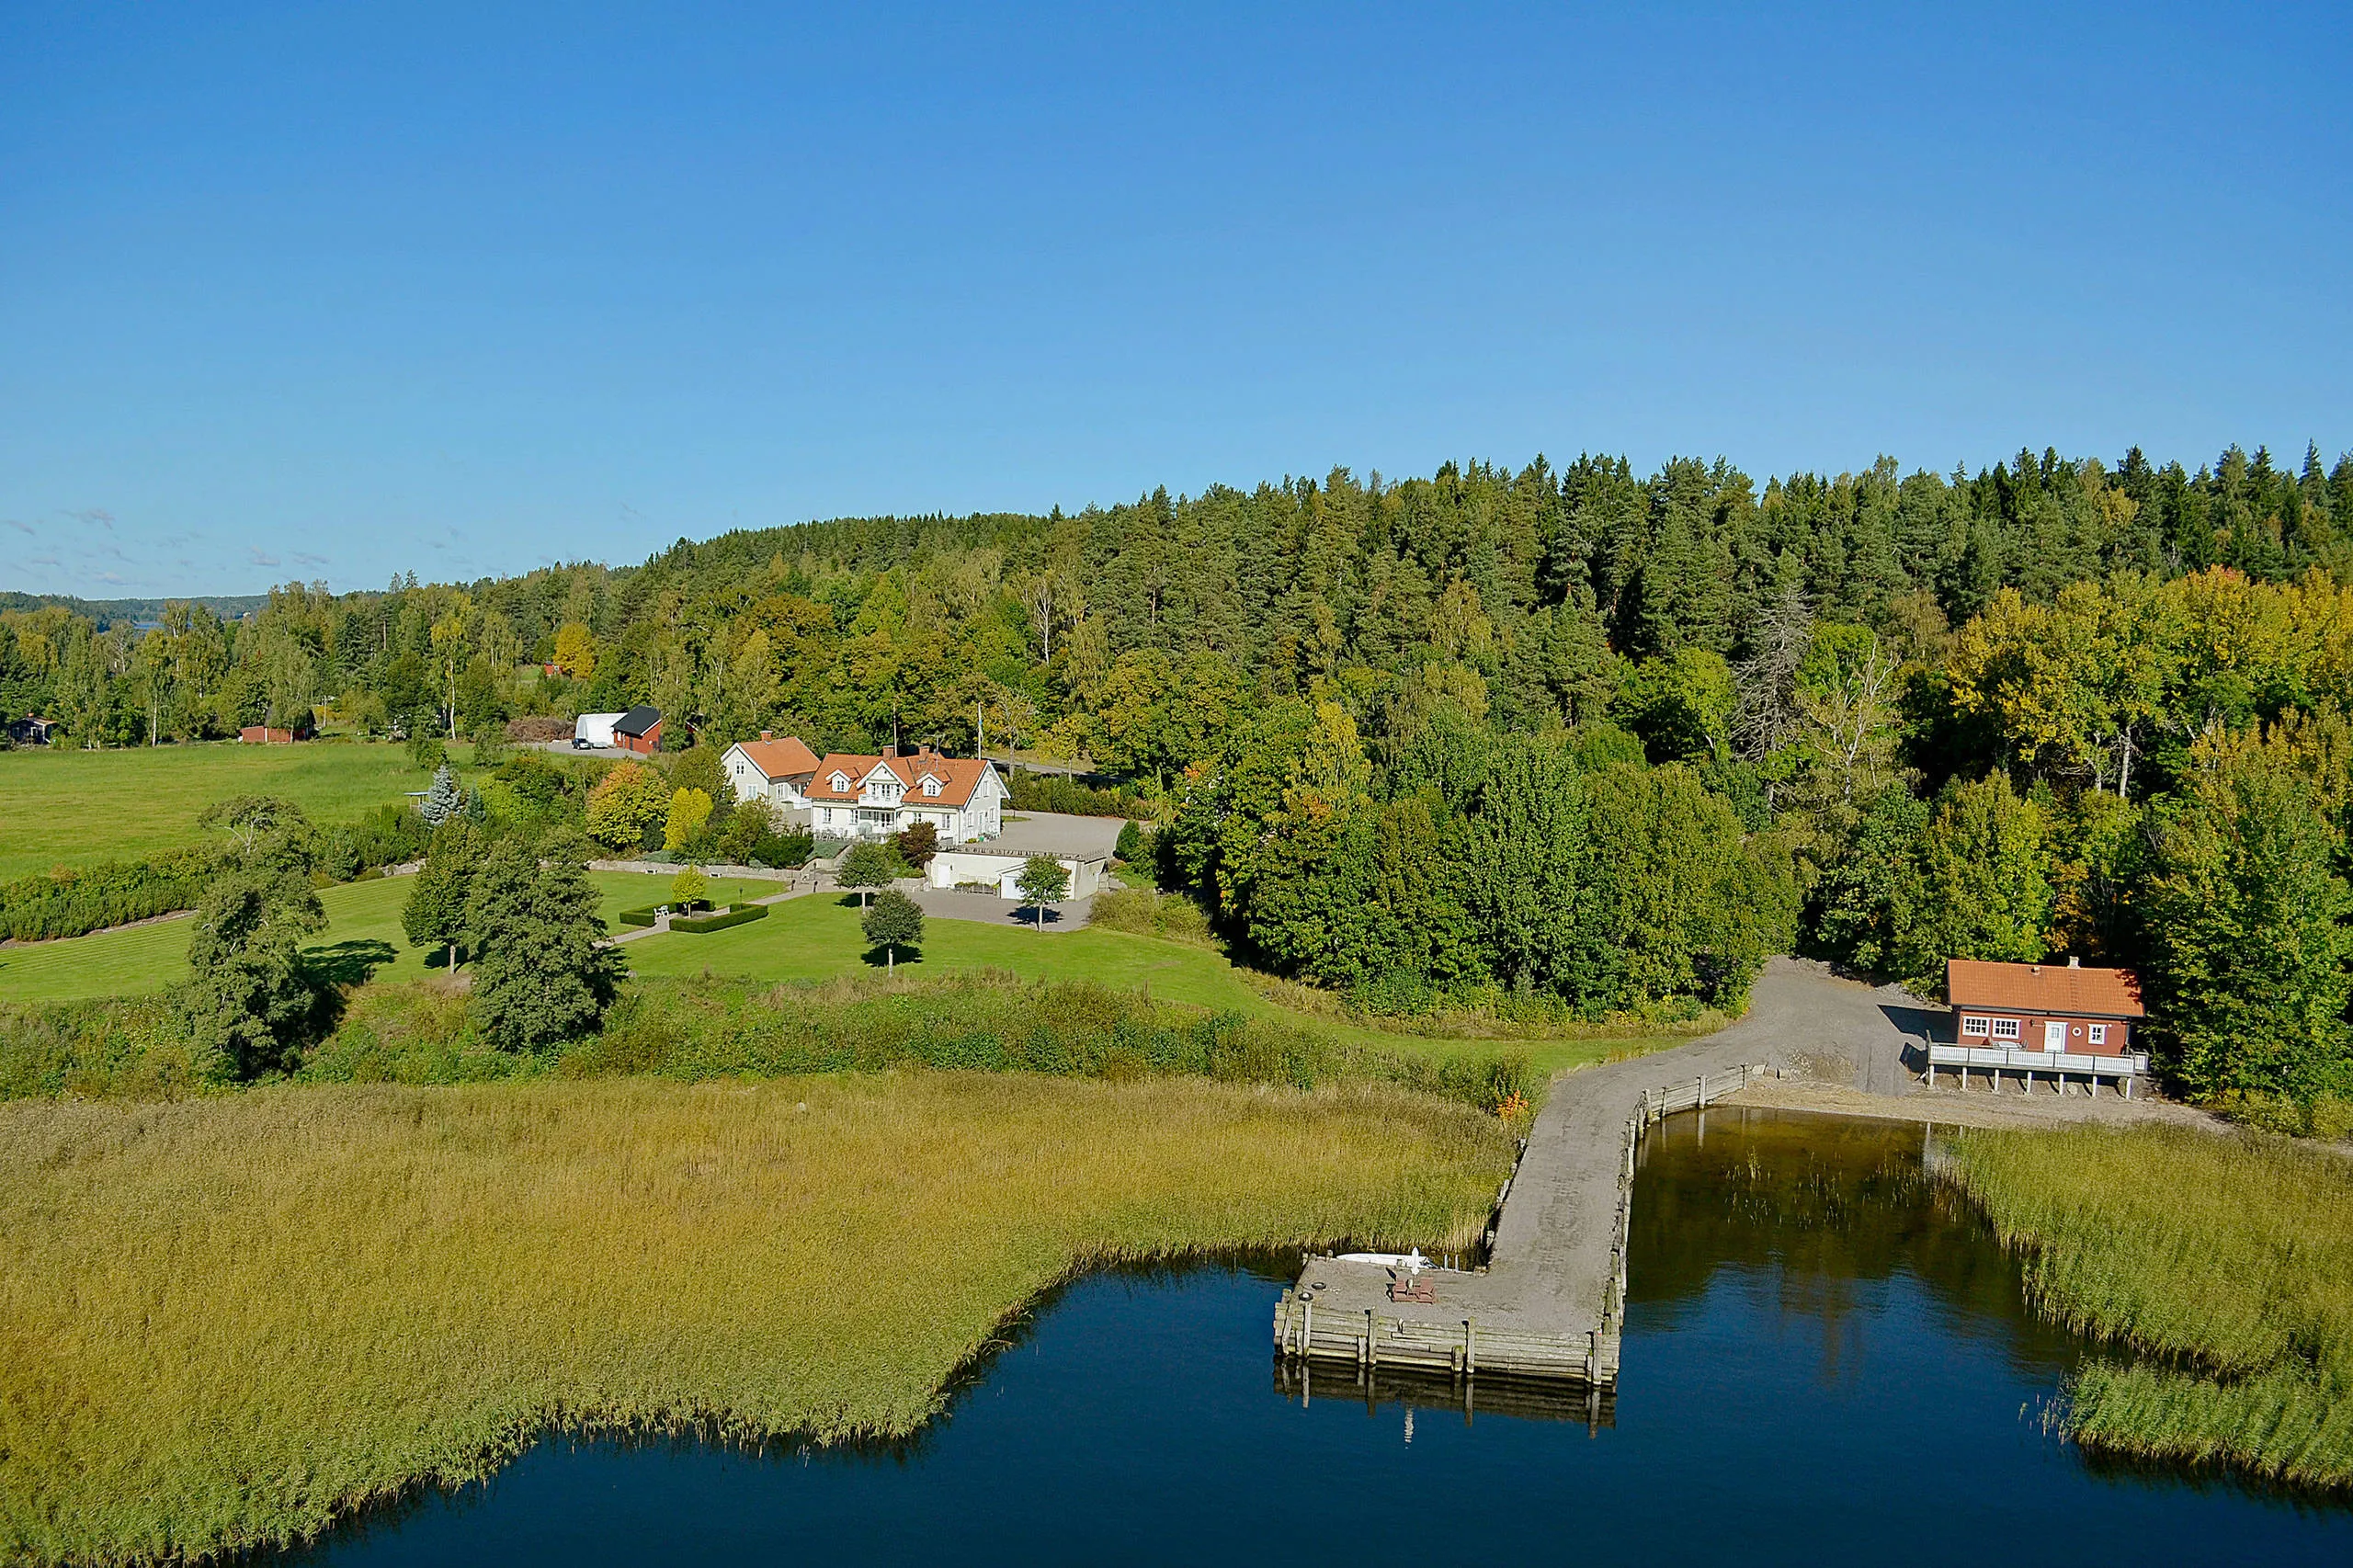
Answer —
(2061, 1066)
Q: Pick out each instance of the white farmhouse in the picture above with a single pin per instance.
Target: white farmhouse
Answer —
(875, 796)
(776, 771)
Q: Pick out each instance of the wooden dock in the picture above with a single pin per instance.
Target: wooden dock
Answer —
(1548, 1304)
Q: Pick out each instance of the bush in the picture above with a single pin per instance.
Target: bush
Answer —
(1143, 912)
(70, 901)
(1058, 792)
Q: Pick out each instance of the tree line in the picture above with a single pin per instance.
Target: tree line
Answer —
(1582, 738)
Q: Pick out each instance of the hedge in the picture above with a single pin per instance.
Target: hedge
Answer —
(737, 914)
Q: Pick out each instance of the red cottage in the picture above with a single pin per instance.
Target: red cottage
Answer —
(2034, 1019)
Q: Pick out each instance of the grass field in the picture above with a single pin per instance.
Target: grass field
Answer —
(224, 1320)
(817, 938)
(363, 940)
(59, 806)
(2222, 1265)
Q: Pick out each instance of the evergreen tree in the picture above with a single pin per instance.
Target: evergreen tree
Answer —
(543, 971)
(436, 913)
(441, 802)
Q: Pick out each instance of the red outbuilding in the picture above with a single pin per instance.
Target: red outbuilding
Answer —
(639, 730)
(2062, 1021)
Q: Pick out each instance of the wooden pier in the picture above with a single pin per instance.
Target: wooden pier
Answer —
(1548, 1305)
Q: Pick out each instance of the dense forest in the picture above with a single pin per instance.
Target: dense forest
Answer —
(1583, 739)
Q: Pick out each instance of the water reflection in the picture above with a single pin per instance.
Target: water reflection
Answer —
(1827, 1362)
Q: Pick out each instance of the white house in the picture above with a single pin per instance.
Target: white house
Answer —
(776, 771)
(875, 797)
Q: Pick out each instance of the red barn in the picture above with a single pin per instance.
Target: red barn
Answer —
(2062, 1020)
(265, 735)
(639, 730)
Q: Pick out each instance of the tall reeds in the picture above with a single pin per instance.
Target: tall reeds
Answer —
(226, 1319)
(2222, 1267)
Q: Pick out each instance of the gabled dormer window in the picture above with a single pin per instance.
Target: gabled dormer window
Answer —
(931, 786)
(841, 783)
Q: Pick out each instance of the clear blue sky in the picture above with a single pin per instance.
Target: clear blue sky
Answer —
(339, 291)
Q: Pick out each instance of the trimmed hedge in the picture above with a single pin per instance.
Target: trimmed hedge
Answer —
(638, 916)
(72, 901)
(736, 914)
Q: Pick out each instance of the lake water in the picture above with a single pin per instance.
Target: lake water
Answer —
(1825, 1362)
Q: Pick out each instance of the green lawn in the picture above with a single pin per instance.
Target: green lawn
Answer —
(816, 937)
(363, 937)
(59, 806)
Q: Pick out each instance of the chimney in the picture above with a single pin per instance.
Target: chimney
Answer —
(768, 734)
(2075, 962)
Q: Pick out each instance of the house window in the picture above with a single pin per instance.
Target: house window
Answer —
(1973, 1026)
(2098, 1034)
(2006, 1029)
(841, 783)
(931, 786)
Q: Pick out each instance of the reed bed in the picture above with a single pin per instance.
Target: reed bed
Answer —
(2223, 1264)
(225, 1320)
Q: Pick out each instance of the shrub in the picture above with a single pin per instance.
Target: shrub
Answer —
(1058, 792)
(1143, 912)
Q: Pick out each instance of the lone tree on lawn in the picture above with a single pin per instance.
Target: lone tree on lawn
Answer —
(435, 915)
(690, 887)
(892, 921)
(1042, 881)
(542, 973)
(868, 866)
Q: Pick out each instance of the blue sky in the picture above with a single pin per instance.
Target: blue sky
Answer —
(333, 291)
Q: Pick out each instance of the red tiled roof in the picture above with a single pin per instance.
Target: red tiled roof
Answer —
(2044, 988)
(787, 758)
(958, 776)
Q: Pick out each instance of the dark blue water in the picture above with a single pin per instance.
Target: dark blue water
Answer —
(1825, 1362)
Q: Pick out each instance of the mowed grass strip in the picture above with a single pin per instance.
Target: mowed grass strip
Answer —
(59, 806)
(363, 940)
(225, 1320)
(816, 937)
(2226, 1261)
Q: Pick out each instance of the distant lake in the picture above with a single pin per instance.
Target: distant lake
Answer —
(1825, 1362)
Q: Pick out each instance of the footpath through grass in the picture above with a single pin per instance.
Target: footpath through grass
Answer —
(363, 941)
(224, 1320)
(65, 807)
(2225, 1263)
(817, 939)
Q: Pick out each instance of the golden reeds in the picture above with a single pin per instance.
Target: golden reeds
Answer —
(2225, 1262)
(226, 1319)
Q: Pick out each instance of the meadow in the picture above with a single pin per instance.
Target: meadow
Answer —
(363, 941)
(227, 1321)
(817, 938)
(2217, 1268)
(62, 806)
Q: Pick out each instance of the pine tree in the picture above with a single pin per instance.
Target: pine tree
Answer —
(442, 801)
